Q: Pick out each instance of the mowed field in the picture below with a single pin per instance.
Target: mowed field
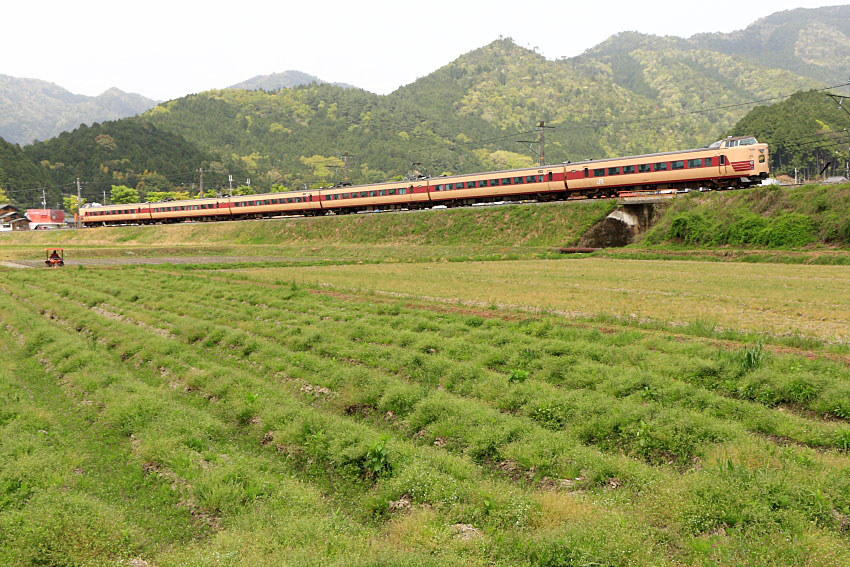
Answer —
(560, 412)
(798, 301)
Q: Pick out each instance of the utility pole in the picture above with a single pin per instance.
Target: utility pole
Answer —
(79, 205)
(104, 196)
(43, 199)
(230, 184)
(542, 144)
(345, 157)
(201, 194)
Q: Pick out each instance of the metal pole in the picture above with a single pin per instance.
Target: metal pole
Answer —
(542, 144)
(79, 205)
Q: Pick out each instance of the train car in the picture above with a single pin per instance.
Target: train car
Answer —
(542, 183)
(136, 213)
(409, 194)
(733, 162)
(190, 209)
(275, 204)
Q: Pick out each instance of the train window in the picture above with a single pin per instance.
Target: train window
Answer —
(506, 181)
(643, 168)
(402, 191)
(391, 191)
(613, 171)
(519, 180)
(450, 186)
(550, 176)
(382, 192)
(373, 193)
(482, 183)
(586, 172)
(747, 142)
(708, 161)
(439, 187)
(694, 163)
(540, 179)
(494, 182)
(662, 166)
(678, 164)
(598, 172)
(628, 169)
(297, 199)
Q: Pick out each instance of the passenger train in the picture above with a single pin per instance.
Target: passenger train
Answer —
(729, 163)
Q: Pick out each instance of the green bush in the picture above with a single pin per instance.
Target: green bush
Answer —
(789, 230)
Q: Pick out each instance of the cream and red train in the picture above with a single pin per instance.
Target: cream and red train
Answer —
(733, 162)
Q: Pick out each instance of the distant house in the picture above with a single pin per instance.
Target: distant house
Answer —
(12, 219)
(835, 179)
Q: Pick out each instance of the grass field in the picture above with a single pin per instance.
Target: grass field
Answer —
(788, 301)
(219, 417)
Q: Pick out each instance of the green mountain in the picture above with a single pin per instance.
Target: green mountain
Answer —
(124, 152)
(20, 176)
(632, 94)
(284, 80)
(812, 43)
(31, 109)
(808, 132)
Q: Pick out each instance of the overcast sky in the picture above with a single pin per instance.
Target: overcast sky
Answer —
(166, 49)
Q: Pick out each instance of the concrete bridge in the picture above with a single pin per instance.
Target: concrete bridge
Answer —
(634, 215)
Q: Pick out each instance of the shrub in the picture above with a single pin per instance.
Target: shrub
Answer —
(789, 230)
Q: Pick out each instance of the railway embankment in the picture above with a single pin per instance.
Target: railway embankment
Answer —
(763, 217)
(771, 218)
(544, 225)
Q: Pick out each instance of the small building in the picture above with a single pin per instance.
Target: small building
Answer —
(12, 219)
(41, 219)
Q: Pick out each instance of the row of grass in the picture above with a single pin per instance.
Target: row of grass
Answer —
(254, 334)
(329, 452)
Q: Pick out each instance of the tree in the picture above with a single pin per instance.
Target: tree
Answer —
(244, 190)
(157, 196)
(3, 197)
(121, 194)
(72, 205)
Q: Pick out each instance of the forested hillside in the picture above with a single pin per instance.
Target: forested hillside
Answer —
(125, 152)
(31, 109)
(18, 174)
(808, 132)
(809, 42)
(472, 113)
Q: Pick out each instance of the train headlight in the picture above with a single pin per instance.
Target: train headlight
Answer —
(761, 159)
